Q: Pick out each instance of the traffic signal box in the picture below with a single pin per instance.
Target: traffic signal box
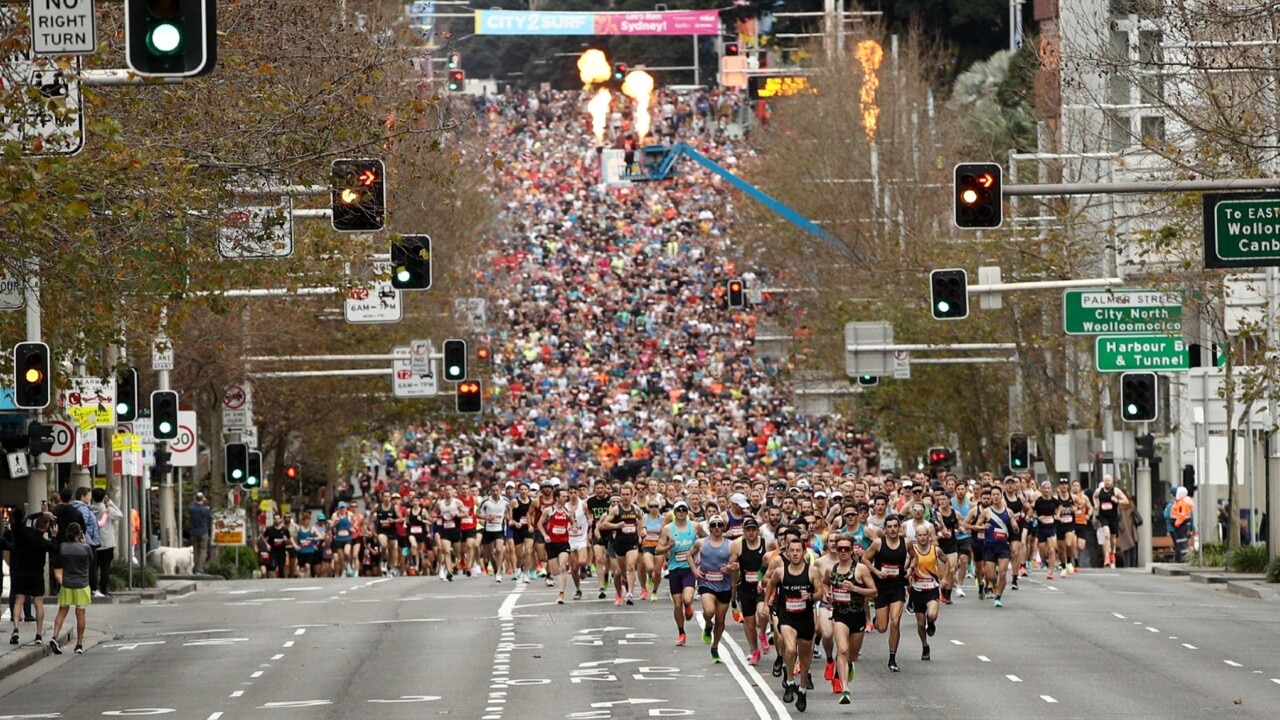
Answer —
(359, 195)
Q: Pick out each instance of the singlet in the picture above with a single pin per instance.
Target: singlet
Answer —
(386, 519)
(494, 513)
(925, 574)
(795, 592)
(1046, 510)
(630, 519)
(845, 602)
(652, 528)
(306, 540)
(277, 536)
(599, 507)
(342, 528)
(519, 511)
(1066, 510)
(1082, 509)
(468, 521)
(891, 561)
(946, 527)
(449, 512)
(681, 543)
(980, 536)
(416, 522)
(579, 521)
(711, 562)
(998, 524)
(860, 536)
(750, 564)
(1015, 506)
(960, 507)
(558, 526)
(733, 527)
(1107, 503)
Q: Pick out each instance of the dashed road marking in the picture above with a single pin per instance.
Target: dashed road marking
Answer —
(1276, 680)
(1014, 678)
(1232, 663)
(1118, 615)
(215, 716)
(237, 693)
(288, 643)
(956, 642)
(1151, 629)
(1048, 698)
(300, 631)
(984, 658)
(1189, 646)
(277, 656)
(256, 674)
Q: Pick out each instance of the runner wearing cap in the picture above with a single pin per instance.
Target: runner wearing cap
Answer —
(713, 569)
(747, 555)
(677, 538)
(739, 509)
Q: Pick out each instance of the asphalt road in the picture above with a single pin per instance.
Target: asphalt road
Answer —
(1096, 645)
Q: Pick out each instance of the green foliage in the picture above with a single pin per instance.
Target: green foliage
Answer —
(1209, 555)
(1273, 570)
(143, 577)
(224, 562)
(1247, 559)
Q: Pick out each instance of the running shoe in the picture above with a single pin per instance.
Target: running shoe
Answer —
(39, 640)
(560, 599)
(630, 600)
(1015, 583)
(788, 692)
(449, 577)
(644, 594)
(443, 572)
(577, 595)
(515, 577)
(755, 657)
(844, 698)
(830, 672)
(688, 612)
(617, 601)
(497, 579)
(998, 603)
(550, 582)
(715, 656)
(1022, 571)
(54, 646)
(960, 591)
(1048, 575)
(13, 639)
(930, 627)
(737, 614)
(924, 656)
(808, 681)
(600, 596)
(680, 638)
(653, 596)
(802, 701)
(706, 636)
(893, 666)
(778, 666)
(79, 649)
(836, 686)
(764, 643)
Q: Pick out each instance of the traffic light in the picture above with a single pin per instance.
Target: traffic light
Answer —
(411, 263)
(483, 354)
(949, 294)
(359, 195)
(619, 71)
(253, 478)
(1145, 446)
(977, 195)
(164, 414)
(127, 395)
(1019, 452)
(941, 457)
(455, 360)
(868, 380)
(235, 465)
(31, 375)
(171, 38)
(731, 49)
(737, 294)
(468, 397)
(40, 438)
(291, 472)
(455, 61)
(457, 80)
(1138, 396)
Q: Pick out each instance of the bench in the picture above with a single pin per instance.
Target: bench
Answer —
(1162, 548)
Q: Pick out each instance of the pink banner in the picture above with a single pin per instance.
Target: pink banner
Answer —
(672, 22)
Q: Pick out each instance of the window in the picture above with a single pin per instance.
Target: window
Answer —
(1118, 86)
(1152, 129)
(1120, 133)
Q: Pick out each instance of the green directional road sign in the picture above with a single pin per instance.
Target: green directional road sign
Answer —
(1241, 230)
(1127, 353)
(1121, 312)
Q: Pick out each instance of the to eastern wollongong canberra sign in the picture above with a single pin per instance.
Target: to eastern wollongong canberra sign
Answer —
(667, 22)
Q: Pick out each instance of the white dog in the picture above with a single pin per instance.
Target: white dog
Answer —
(173, 561)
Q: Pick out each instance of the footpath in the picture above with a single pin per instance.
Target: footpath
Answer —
(1250, 585)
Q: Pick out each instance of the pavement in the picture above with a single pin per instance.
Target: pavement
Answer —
(1249, 585)
(1099, 644)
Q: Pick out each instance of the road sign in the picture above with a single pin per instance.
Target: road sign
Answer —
(235, 420)
(377, 301)
(867, 362)
(145, 430)
(1241, 230)
(184, 447)
(406, 383)
(901, 364)
(63, 27)
(162, 354)
(91, 398)
(249, 436)
(420, 352)
(257, 232)
(235, 397)
(64, 443)
(1121, 312)
(1127, 353)
(49, 122)
(12, 295)
(472, 313)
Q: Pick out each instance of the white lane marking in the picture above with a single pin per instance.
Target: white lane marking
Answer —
(1052, 588)
(1276, 680)
(1173, 637)
(191, 632)
(277, 656)
(412, 698)
(300, 631)
(984, 658)
(302, 589)
(401, 620)
(748, 678)
(1232, 663)
(1118, 615)
(215, 716)
(956, 642)
(290, 627)
(1014, 678)
(288, 643)
(1189, 646)
(237, 693)
(1151, 629)
(256, 674)
(1048, 698)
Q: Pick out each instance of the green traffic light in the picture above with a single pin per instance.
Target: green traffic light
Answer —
(237, 473)
(164, 39)
(1131, 410)
(455, 371)
(122, 408)
(944, 306)
(402, 274)
(165, 428)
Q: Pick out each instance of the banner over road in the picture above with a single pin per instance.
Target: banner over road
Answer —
(668, 22)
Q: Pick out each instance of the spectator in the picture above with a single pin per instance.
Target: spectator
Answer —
(72, 568)
(201, 525)
(31, 545)
(1181, 513)
(108, 515)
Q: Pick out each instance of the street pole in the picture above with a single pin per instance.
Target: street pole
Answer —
(1273, 451)
(38, 477)
(1142, 503)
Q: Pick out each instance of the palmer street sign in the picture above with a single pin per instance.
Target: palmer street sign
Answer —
(1121, 312)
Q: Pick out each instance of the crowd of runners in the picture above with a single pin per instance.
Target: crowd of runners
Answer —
(635, 441)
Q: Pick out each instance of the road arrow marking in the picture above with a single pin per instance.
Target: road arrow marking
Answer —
(628, 701)
(618, 661)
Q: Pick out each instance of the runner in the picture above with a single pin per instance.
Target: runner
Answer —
(579, 534)
(601, 540)
(1013, 499)
(386, 517)
(343, 537)
(624, 517)
(651, 561)
(677, 538)
(713, 569)
(746, 555)
(959, 501)
(522, 532)
(887, 559)
(849, 585)
(926, 567)
(449, 510)
(554, 526)
(418, 533)
(1065, 526)
(1001, 528)
(797, 585)
(1108, 499)
(946, 524)
(495, 512)
(975, 523)
(467, 524)
(1045, 509)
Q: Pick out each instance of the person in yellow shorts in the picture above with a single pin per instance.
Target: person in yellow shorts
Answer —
(74, 561)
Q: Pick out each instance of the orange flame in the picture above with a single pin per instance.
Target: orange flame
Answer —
(599, 109)
(869, 55)
(638, 85)
(593, 67)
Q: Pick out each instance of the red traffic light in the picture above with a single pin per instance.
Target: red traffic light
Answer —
(291, 472)
(732, 48)
(482, 353)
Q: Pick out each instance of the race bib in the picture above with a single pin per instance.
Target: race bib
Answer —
(277, 543)
(999, 535)
(416, 530)
(1107, 506)
(344, 533)
(841, 596)
(714, 576)
(450, 524)
(1046, 519)
(628, 529)
(928, 583)
(750, 579)
(682, 556)
(891, 571)
(796, 605)
(651, 537)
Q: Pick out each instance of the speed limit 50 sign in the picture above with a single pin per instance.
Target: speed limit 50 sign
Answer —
(185, 447)
(64, 442)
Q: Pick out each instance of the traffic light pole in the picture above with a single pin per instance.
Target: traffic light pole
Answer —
(1139, 188)
(168, 521)
(1142, 503)
(38, 477)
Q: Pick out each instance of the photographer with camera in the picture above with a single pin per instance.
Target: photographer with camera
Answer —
(32, 543)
